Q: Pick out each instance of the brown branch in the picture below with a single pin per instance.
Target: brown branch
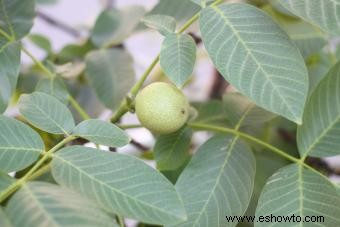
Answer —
(139, 145)
(195, 37)
(136, 144)
(58, 24)
(218, 87)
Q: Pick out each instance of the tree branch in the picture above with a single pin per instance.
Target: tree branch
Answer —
(58, 24)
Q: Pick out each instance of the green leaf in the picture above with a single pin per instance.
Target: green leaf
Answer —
(256, 57)
(171, 151)
(181, 10)
(173, 175)
(5, 181)
(202, 3)
(267, 164)
(74, 52)
(16, 19)
(294, 190)
(47, 2)
(121, 183)
(54, 87)
(41, 41)
(20, 145)
(318, 65)
(9, 71)
(46, 113)
(4, 220)
(101, 132)
(212, 112)
(217, 182)
(319, 135)
(177, 57)
(114, 26)
(5, 93)
(323, 13)
(240, 109)
(164, 24)
(54, 206)
(308, 38)
(111, 74)
(280, 9)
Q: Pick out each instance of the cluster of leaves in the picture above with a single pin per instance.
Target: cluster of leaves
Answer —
(275, 58)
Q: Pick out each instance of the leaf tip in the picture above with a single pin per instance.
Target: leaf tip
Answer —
(298, 121)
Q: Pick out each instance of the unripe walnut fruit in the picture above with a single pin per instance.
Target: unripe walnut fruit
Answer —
(162, 108)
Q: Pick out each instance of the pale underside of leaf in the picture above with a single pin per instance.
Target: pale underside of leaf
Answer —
(294, 190)
(172, 150)
(54, 87)
(218, 181)
(46, 112)
(202, 3)
(101, 132)
(307, 37)
(257, 57)
(20, 145)
(9, 71)
(181, 10)
(16, 18)
(322, 13)
(4, 220)
(243, 112)
(122, 184)
(5, 181)
(320, 133)
(40, 204)
(177, 57)
(111, 74)
(113, 26)
(164, 24)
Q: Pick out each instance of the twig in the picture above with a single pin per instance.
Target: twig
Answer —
(139, 145)
(218, 87)
(196, 38)
(46, 155)
(58, 24)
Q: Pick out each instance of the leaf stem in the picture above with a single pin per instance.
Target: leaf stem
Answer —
(17, 184)
(125, 106)
(40, 172)
(245, 136)
(199, 126)
(7, 36)
(78, 108)
(50, 74)
(120, 221)
(132, 126)
(38, 63)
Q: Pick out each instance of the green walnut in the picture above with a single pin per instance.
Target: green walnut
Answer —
(162, 108)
